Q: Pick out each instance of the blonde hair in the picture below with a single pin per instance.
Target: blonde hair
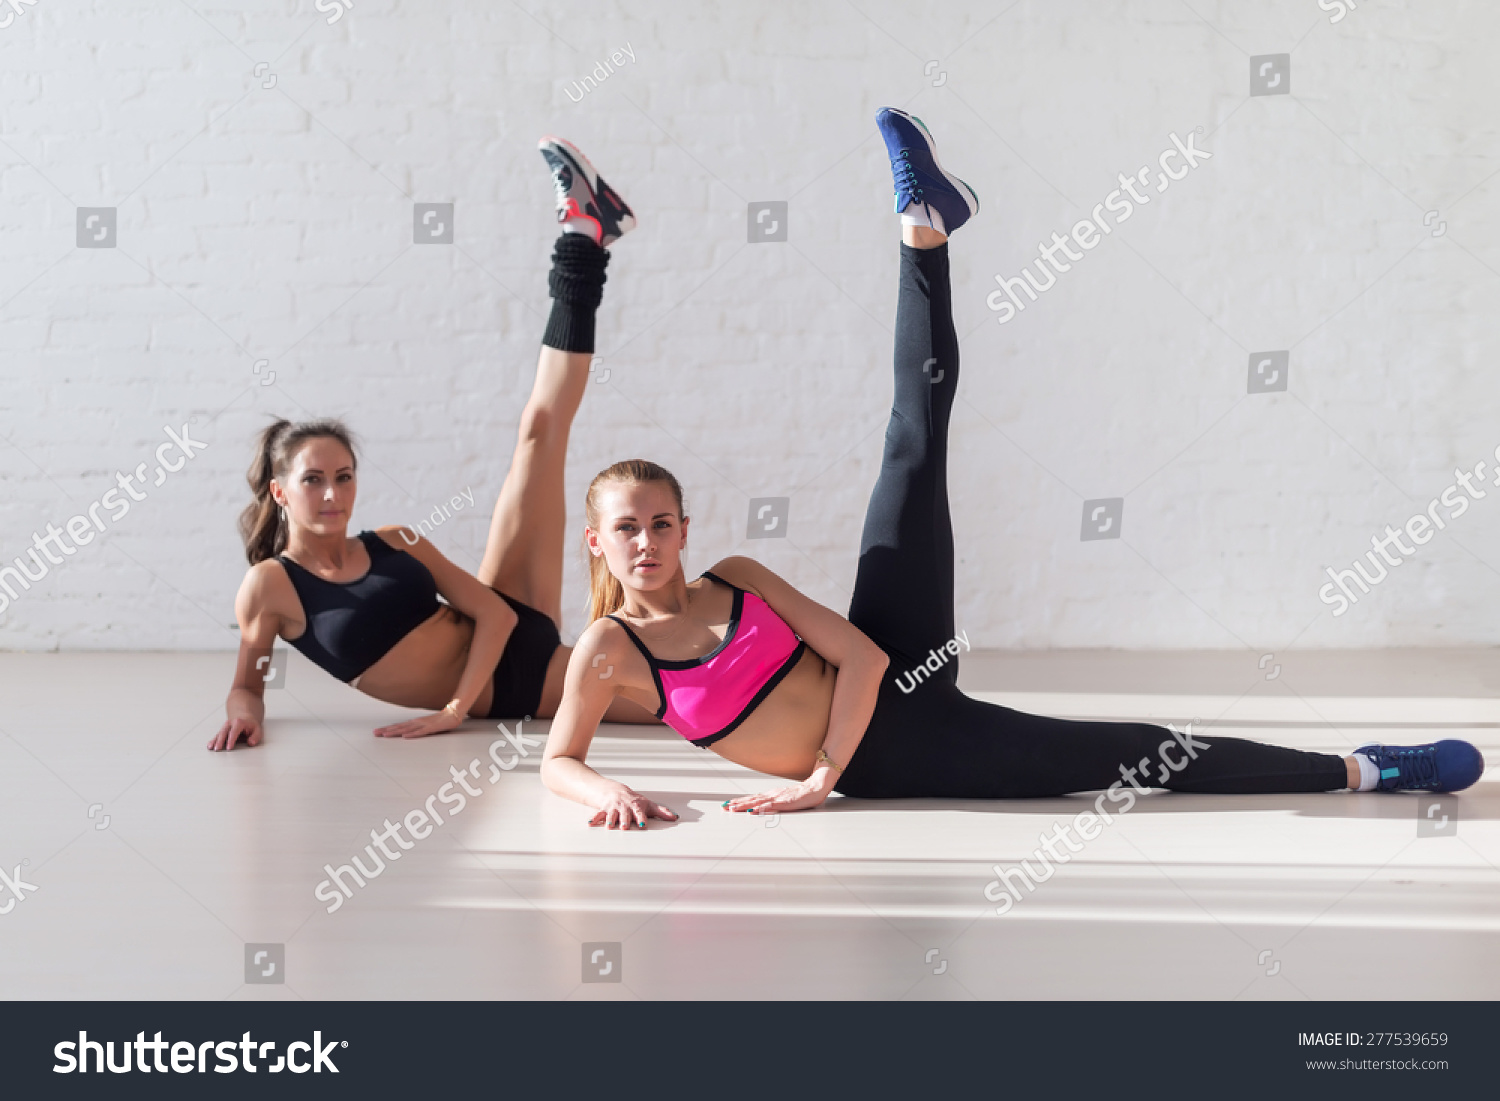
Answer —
(606, 594)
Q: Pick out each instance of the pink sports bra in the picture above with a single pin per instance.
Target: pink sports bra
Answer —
(703, 699)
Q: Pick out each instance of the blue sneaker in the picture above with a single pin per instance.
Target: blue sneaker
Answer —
(919, 177)
(1448, 765)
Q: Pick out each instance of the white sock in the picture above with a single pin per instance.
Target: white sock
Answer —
(1369, 775)
(922, 214)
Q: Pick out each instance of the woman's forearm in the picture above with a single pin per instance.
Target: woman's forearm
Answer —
(245, 704)
(855, 690)
(572, 779)
(491, 632)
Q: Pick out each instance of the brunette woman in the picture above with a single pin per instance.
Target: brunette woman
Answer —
(384, 610)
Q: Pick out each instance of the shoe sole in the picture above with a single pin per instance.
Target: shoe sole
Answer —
(970, 196)
(584, 167)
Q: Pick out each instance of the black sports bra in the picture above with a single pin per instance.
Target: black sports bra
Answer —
(353, 624)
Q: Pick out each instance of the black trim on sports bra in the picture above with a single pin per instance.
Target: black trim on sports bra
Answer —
(661, 691)
(755, 701)
(735, 616)
(736, 612)
(657, 665)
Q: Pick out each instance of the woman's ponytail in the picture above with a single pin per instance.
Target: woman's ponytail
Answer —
(606, 594)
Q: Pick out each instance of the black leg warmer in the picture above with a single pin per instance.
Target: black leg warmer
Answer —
(577, 284)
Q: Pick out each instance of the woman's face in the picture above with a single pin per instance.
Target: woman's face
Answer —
(640, 535)
(318, 490)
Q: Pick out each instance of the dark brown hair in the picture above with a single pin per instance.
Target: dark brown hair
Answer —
(261, 526)
(606, 594)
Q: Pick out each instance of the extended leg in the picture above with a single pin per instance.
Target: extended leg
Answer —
(1030, 755)
(939, 743)
(903, 591)
(1058, 755)
(524, 554)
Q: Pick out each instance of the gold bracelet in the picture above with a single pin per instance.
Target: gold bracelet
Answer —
(824, 759)
(451, 707)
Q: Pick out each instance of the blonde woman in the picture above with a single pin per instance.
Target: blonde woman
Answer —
(740, 662)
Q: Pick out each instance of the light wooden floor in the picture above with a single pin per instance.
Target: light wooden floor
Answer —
(1283, 897)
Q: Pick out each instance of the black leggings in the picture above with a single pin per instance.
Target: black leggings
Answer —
(935, 741)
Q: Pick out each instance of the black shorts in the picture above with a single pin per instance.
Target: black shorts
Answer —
(522, 669)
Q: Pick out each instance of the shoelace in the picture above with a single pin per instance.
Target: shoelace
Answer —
(906, 176)
(1418, 767)
(560, 188)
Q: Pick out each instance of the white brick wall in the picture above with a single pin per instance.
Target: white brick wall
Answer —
(276, 224)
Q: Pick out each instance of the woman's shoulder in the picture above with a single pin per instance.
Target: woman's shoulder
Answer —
(266, 589)
(266, 576)
(605, 644)
(603, 633)
(741, 572)
(395, 536)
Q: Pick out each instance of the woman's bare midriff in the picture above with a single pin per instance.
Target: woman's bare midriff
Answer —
(783, 735)
(424, 668)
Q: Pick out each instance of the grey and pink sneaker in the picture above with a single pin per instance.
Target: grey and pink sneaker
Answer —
(585, 203)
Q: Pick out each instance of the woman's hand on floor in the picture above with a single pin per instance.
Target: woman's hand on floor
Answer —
(420, 728)
(804, 796)
(233, 730)
(626, 810)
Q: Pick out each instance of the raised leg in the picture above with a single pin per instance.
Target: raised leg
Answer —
(903, 591)
(524, 554)
(523, 557)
